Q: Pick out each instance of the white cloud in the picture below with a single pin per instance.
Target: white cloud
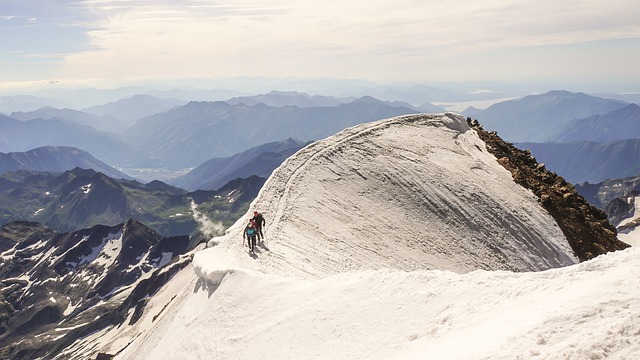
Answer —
(378, 40)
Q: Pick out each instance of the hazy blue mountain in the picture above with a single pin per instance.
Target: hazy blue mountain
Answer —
(471, 112)
(429, 108)
(418, 94)
(540, 118)
(589, 161)
(302, 100)
(260, 160)
(9, 104)
(101, 122)
(191, 134)
(289, 98)
(18, 136)
(55, 159)
(628, 97)
(620, 124)
(132, 109)
(87, 97)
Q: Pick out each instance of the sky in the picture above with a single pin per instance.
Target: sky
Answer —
(111, 43)
(373, 262)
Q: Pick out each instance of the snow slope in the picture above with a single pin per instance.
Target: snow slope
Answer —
(408, 193)
(585, 311)
(399, 239)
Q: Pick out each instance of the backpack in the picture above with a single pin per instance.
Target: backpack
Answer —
(251, 231)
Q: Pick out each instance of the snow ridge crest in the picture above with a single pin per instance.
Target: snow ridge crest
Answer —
(414, 192)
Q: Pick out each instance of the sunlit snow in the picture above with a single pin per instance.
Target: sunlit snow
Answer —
(86, 188)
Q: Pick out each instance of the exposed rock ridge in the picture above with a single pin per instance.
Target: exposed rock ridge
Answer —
(586, 227)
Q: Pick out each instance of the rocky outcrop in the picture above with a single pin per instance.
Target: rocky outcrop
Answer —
(586, 227)
(601, 194)
(621, 208)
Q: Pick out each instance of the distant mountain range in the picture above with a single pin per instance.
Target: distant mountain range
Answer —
(82, 198)
(194, 133)
(559, 127)
(132, 109)
(620, 124)
(9, 104)
(111, 117)
(18, 136)
(56, 159)
(541, 118)
(177, 137)
(289, 98)
(101, 122)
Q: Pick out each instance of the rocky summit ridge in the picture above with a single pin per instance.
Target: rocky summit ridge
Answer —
(586, 227)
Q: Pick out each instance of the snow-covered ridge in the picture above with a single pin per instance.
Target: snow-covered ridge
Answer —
(586, 311)
(411, 192)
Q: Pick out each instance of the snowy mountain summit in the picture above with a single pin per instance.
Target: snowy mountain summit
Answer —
(408, 193)
(403, 238)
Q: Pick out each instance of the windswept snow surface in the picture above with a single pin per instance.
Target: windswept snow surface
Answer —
(585, 311)
(399, 239)
(412, 192)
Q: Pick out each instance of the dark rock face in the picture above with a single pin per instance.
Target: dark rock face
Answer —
(621, 207)
(601, 194)
(56, 288)
(617, 197)
(586, 227)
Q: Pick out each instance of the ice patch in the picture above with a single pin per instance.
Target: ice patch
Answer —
(106, 252)
(116, 290)
(36, 245)
(69, 328)
(110, 250)
(70, 308)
